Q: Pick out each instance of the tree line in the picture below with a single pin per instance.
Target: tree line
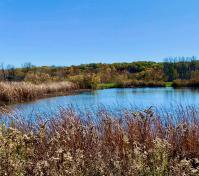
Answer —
(90, 75)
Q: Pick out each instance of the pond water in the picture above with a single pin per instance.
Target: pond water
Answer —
(140, 98)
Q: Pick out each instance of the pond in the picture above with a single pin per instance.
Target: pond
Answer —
(140, 98)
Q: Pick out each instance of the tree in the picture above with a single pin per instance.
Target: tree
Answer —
(27, 67)
(3, 73)
(11, 73)
(170, 71)
(95, 81)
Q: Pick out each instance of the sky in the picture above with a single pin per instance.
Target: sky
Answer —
(72, 32)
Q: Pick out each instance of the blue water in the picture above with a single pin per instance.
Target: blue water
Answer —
(139, 98)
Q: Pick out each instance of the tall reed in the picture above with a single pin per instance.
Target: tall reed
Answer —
(12, 92)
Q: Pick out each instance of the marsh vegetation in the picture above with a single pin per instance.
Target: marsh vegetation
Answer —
(16, 92)
(132, 143)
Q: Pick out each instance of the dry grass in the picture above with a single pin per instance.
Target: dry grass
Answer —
(12, 92)
(136, 143)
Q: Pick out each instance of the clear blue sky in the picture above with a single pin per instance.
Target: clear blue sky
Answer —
(65, 32)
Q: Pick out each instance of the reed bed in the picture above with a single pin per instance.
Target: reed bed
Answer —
(134, 143)
(186, 83)
(14, 92)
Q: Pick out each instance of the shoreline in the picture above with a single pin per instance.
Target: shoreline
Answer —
(48, 95)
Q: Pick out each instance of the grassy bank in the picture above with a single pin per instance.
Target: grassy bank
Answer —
(135, 143)
(15, 92)
(107, 86)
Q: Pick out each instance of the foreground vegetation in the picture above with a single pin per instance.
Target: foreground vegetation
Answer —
(132, 143)
(15, 92)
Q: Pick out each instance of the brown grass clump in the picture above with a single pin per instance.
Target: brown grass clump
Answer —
(136, 143)
(12, 92)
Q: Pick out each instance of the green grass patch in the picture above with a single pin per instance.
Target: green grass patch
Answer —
(107, 85)
(168, 84)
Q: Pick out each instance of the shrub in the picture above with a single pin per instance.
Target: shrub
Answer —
(37, 78)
